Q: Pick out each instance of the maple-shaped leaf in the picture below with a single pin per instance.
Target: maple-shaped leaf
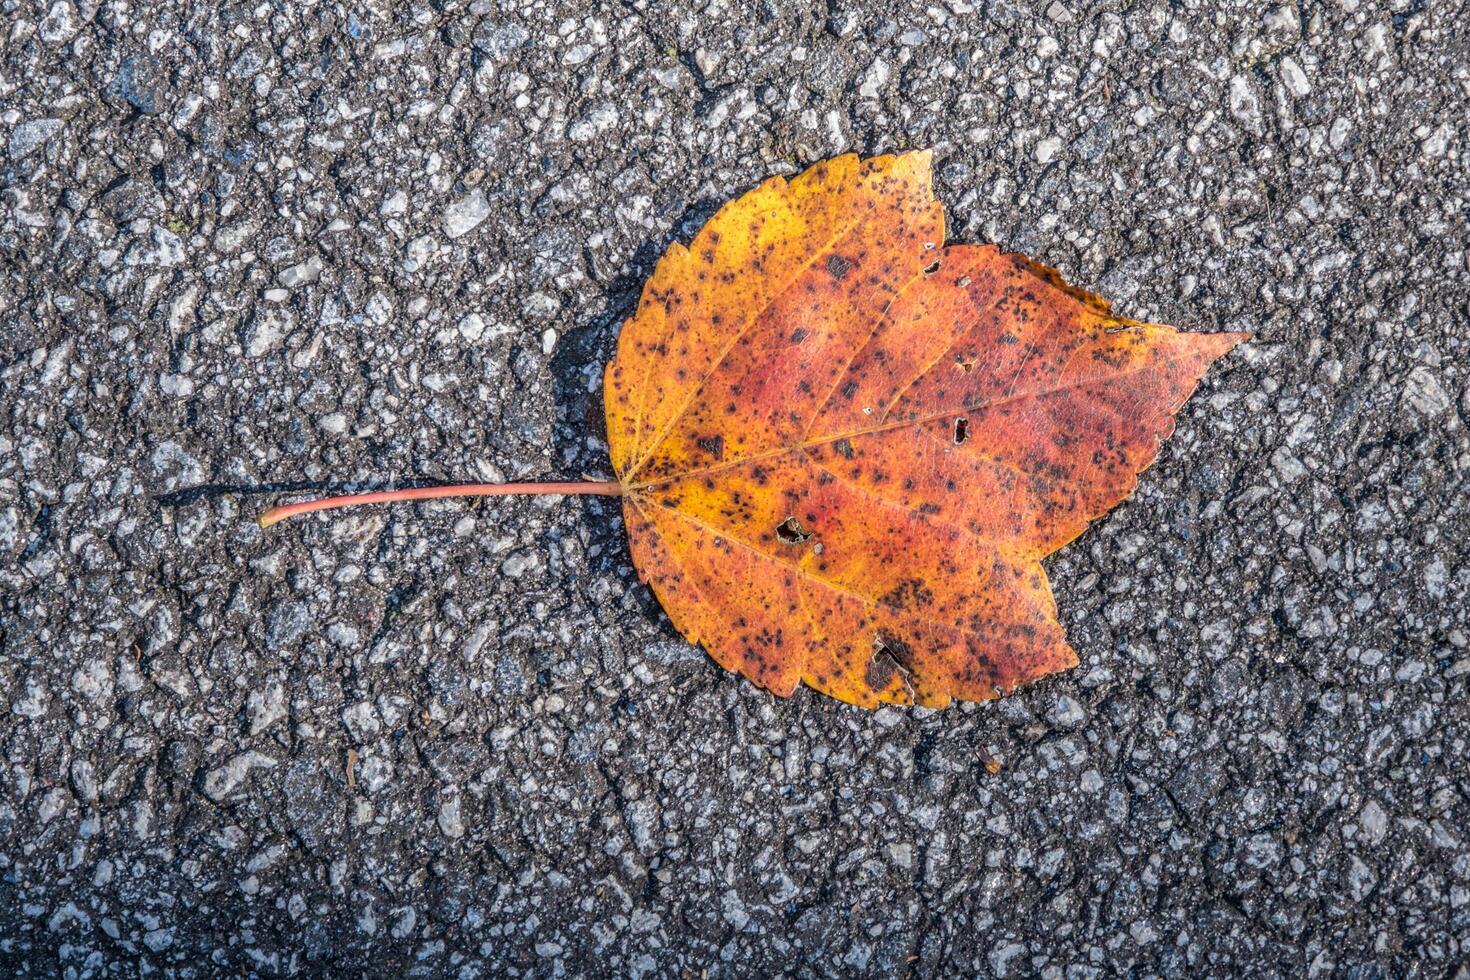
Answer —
(844, 448)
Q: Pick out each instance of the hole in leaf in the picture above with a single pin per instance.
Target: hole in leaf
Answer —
(961, 430)
(790, 531)
(890, 656)
(932, 268)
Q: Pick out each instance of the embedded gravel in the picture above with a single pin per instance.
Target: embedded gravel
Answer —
(251, 250)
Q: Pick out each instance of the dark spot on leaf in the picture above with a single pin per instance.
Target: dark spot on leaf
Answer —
(838, 266)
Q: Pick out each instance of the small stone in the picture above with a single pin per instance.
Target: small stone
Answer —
(222, 781)
(733, 910)
(230, 238)
(1425, 394)
(267, 329)
(301, 273)
(642, 821)
(418, 252)
(1066, 712)
(1245, 106)
(466, 214)
(1360, 879)
(1262, 851)
(472, 327)
(404, 919)
(395, 205)
(266, 706)
(361, 720)
(1437, 142)
(592, 123)
(60, 24)
(175, 385)
(175, 466)
(874, 80)
(1372, 823)
(56, 802)
(93, 681)
(374, 774)
(158, 940)
(137, 83)
(450, 822)
(29, 136)
(33, 703)
(163, 248)
(334, 424)
(519, 563)
(1287, 466)
(288, 622)
(1002, 958)
(1294, 78)
(1047, 149)
(84, 780)
(1436, 577)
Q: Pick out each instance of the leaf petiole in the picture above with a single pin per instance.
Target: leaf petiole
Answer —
(275, 514)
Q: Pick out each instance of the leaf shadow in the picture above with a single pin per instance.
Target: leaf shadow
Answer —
(587, 347)
(579, 439)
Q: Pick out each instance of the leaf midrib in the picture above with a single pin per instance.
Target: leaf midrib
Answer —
(643, 488)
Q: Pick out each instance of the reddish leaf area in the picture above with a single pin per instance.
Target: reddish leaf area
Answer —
(844, 447)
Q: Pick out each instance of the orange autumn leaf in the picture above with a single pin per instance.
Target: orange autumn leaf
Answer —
(844, 447)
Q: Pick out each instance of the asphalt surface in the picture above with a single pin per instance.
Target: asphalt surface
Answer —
(251, 249)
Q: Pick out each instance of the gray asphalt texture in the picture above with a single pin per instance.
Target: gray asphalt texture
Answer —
(250, 250)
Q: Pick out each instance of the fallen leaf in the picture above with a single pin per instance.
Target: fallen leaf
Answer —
(844, 448)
